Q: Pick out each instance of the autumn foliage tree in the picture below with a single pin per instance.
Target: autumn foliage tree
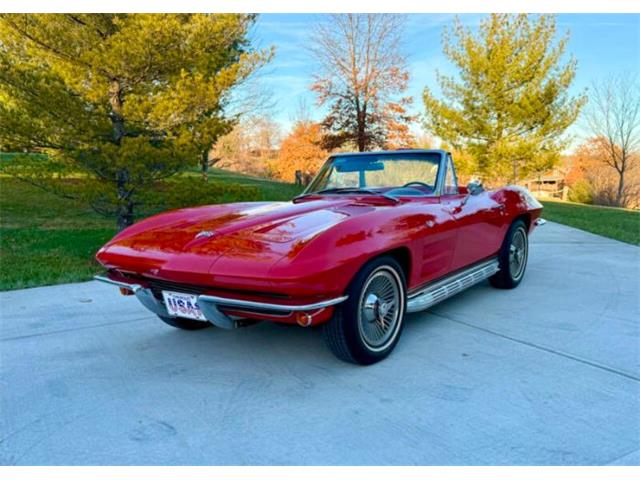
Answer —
(613, 120)
(592, 179)
(362, 72)
(301, 151)
(509, 105)
(117, 100)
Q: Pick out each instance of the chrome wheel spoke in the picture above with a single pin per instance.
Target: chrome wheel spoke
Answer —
(379, 312)
(518, 254)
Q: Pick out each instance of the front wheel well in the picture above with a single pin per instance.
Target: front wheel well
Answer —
(402, 255)
(526, 218)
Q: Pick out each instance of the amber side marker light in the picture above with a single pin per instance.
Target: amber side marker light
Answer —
(304, 319)
(126, 291)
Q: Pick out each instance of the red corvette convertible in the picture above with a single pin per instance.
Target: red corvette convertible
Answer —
(373, 237)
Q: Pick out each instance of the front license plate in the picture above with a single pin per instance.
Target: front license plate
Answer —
(183, 305)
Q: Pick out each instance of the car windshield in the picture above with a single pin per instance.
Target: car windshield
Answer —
(382, 172)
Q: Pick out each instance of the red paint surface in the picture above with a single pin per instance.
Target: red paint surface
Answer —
(309, 250)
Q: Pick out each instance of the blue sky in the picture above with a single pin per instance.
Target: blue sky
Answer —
(603, 44)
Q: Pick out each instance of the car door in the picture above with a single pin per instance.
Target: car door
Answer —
(435, 242)
(478, 221)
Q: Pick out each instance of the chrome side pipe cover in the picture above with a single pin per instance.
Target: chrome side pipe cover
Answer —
(447, 287)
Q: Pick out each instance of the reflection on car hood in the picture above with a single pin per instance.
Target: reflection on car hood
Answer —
(193, 239)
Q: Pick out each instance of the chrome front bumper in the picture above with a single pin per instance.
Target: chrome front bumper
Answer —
(210, 304)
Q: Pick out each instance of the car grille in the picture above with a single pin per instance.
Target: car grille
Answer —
(157, 285)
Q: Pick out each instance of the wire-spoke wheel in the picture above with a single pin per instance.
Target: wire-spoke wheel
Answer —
(379, 308)
(366, 327)
(512, 257)
(518, 254)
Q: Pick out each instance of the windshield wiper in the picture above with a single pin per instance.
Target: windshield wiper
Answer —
(349, 190)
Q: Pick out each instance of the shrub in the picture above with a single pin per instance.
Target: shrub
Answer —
(581, 192)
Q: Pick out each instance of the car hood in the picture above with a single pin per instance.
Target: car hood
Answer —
(243, 238)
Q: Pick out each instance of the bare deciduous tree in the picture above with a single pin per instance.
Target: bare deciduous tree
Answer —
(361, 70)
(249, 147)
(613, 120)
(252, 100)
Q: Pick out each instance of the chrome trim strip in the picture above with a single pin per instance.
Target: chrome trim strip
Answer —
(539, 222)
(134, 287)
(232, 302)
(449, 286)
(210, 304)
(144, 295)
(441, 174)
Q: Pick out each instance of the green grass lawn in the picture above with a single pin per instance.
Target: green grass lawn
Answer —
(45, 239)
(270, 189)
(618, 223)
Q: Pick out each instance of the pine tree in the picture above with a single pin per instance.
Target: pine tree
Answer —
(509, 105)
(119, 101)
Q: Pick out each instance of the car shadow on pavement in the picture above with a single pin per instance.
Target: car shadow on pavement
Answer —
(265, 344)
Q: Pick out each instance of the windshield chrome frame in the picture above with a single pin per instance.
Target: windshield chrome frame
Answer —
(440, 176)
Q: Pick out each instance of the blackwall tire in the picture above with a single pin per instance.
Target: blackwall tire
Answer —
(512, 257)
(367, 326)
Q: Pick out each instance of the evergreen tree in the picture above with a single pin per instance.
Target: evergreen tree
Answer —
(510, 103)
(117, 100)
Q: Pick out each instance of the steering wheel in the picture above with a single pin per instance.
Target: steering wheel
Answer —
(422, 184)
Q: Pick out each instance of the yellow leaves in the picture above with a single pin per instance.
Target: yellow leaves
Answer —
(509, 103)
(168, 65)
(141, 93)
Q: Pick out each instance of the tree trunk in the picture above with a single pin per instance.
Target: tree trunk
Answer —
(117, 120)
(361, 135)
(125, 216)
(205, 165)
(124, 212)
(539, 183)
(620, 191)
(124, 209)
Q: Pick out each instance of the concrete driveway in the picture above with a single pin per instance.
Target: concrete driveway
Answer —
(548, 373)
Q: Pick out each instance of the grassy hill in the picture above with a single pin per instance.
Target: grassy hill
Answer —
(618, 223)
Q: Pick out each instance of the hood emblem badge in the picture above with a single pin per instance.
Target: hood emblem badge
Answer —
(205, 234)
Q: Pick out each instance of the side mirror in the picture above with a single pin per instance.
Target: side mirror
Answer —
(474, 187)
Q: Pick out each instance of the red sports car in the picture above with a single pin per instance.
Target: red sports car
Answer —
(373, 237)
